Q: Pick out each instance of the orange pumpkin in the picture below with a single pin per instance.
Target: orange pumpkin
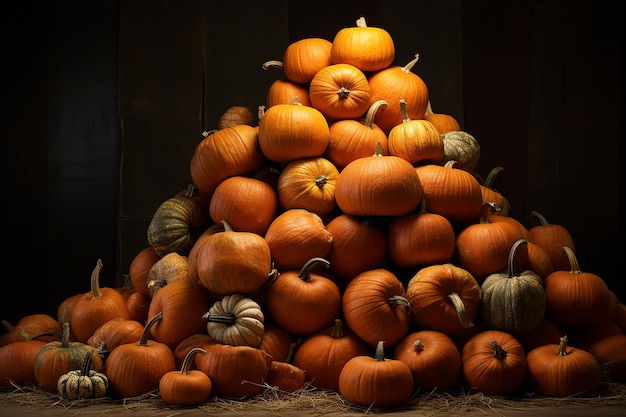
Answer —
(359, 244)
(140, 268)
(375, 307)
(248, 204)
(170, 267)
(419, 239)
(96, 307)
(443, 122)
(394, 84)
(351, 139)
(494, 363)
(115, 332)
(418, 141)
(443, 297)
(135, 369)
(552, 238)
(576, 298)
(303, 301)
(557, 370)
(17, 360)
(340, 91)
(39, 326)
(225, 153)
(433, 358)
(367, 48)
(378, 185)
(451, 192)
(483, 248)
(308, 184)
(285, 91)
(376, 381)
(230, 262)
(187, 386)
(296, 236)
(303, 58)
(323, 354)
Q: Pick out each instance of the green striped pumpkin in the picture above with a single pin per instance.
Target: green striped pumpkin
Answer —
(461, 147)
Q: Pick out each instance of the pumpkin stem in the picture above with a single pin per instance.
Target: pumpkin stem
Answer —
(343, 93)
(511, 270)
(418, 346)
(337, 330)
(429, 109)
(226, 318)
(457, 302)
(540, 217)
(7, 325)
(488, 208)
(379, 149)
(379, 355)
(573, 261)
(403, 111)
(305, 272)
(491, 177)
(321, 181)
(95, 280)
(407, 68)
(65, 335)
(84, 370)
(398, 300)
(361, 23)
(188, 361)
(272, 63)
(498, 352)
(227, 226)
(371, 112)
(260, 112)
(143, 340)
(562, 349)
(450, 163)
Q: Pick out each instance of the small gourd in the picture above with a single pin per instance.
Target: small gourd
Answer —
(84, 383)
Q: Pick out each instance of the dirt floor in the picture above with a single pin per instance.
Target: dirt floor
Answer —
(33, 402)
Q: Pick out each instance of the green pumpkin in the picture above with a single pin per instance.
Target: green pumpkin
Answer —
(461, 147)
(511, 302)
(177, 222)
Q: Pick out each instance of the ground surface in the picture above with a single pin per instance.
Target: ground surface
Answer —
(31, 402)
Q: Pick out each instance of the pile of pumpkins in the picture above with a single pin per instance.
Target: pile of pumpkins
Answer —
(338, 239)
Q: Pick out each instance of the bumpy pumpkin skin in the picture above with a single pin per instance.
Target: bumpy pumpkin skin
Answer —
(461, 147)
(236, 320)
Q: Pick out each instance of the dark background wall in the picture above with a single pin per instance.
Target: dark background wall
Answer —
(106, 101)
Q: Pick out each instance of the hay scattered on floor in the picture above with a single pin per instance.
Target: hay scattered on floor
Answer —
(322, 402)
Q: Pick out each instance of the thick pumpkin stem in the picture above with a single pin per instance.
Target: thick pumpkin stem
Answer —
(404, 112)
(461, 312)
(562, 349)
(542, 220)
(273, 63)
(498, 352)
(486, 209)
(260, 112)
(398, 300)
(418, 346)
(305, 272)
(188, 361)
(491, 177)
(379, 355)
(65, 335)
(337, 329)
(573, 261)
(343, 93)
(371, 112)
(143, 340)
(361, 23)
(226, 318)
(95, 280)
(379, 149)
(408, 67)
(84, 370)
(321, 181)
(227, 226)
(511, 269)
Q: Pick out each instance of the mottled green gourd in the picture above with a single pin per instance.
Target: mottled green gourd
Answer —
(461, 147)
(512, 302)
